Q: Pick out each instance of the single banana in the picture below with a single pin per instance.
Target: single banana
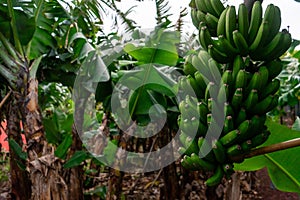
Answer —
(191, 146)
(211, 91)
(222, 23)
(240, 42)
(187, 165)
(216, 178)
(205, 37)
(246, 145)
(244, 129)
(228, 125)
(251, 100)
(200, 5)
(270, 49)
(243, 21)
(271, 88)
(260, 138)
(238, 64)
(230, 138)
(228, 110)
(262, 106)
(241, 116)
(237, 99)
(227, 48)
(210, 8)
(230, 23)
(203, 111)
(286, 43)
(255, 21)
(200, 80)
(228, 169)
(227, 77)
(195, 19)
(188, 67)
(241, 79)
(234, 150)
(218, 7)
(218, 56)
(255, 83)
(212, 23)
(260, 37)
(215, 71)
(205, 165)
(273, 17)
(264, 72)
(276, 23)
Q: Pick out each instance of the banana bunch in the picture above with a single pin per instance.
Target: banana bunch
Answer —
(243, 91)
(258, 37)
(235, 76)
(207, 11)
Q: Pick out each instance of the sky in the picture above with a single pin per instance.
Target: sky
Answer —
(144, 13)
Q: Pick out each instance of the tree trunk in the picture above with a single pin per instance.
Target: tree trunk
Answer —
(20, 182)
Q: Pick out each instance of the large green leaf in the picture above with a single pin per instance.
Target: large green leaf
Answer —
(63, 148)
(17, 149)
(282, 165)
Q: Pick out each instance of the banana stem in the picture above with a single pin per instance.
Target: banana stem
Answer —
(268, 149)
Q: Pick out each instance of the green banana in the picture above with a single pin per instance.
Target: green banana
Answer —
(200, 80)
(262, 106)
(202, 129)
(228, 48)
(211, 91)
(222, 22)
(205, 37)
(201, 65)
(271, 88)
(215, 70)
(228, 125)
(237, 99)
(216, 178)
(242, 116)
(210, 8)
(234, 150)
(244, 128)
(191, 146)
(246, 145)
(273, 17)
(188, 67)
(227, 77)
(255, 82)
(286, 43)
(260, 38)
(203, 109)
(201, 17)
(275, 68)
(182, 137)
(228, 169)
(230, 138)
(217, 55)
(193, 83)
(200, 5)
(276, 24)
(263, 70)
(181, 150)
(218, 7)
(260, 138)
(238, 64)
(255, 21)
(212, 23)
(240, 42)
(243, 21)
(222, 95)
(270, 49)
(241, 79)
(205, 165)
(228, 110)
(251, 100)
(185, 164)
(195, 19)
(230, 23)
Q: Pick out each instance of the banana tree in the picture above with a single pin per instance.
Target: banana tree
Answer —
(36, 172)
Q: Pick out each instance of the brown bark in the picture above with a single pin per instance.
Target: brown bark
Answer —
(171, 184)
(20, 182)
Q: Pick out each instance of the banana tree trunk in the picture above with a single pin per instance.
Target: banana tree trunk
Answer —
(20, 182)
